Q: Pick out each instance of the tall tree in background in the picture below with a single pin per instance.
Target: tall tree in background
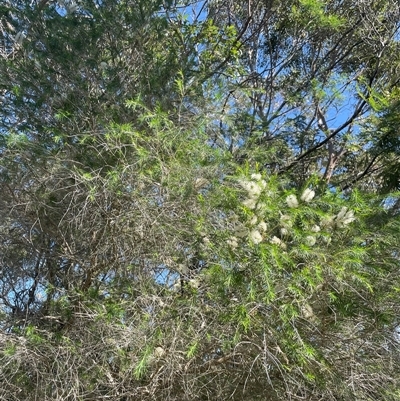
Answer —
(198, 200)
(307, 72)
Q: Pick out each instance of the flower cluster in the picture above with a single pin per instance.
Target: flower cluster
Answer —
(276, 241)
(103, 66)
(311, 240)
(341, 220)
(255, 236)
(344, 217)
(292, 201)
(315, 228)
(258, 228)
(254, 189)
(255, 227)
(232, 242)
(307, 196)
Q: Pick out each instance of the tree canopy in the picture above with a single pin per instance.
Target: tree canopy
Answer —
(199, 200)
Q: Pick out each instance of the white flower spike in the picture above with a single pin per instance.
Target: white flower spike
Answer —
(262, 226)
(311, 240)
(253, 221)
(159, 352)
(232, 242)
(262, 184)
(256, 177)
(275, 240)
(344, 217)
(327, 221)
(292, 201)
(254, 190)
(250, 203)
(342, 213)
(255, 237)
(285, 220)
(284, 231)
(315, 229)
(252, 187)
(307, 195)
(245, 184)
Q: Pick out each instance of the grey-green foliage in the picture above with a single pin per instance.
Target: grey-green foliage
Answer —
(171, 227)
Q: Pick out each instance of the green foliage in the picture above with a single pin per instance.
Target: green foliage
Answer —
(141, 366)
(10, 350)
(199, 201)
(33, 335)
(191, 352)
(314, 13)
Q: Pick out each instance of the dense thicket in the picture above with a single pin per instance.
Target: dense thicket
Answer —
(199, 201)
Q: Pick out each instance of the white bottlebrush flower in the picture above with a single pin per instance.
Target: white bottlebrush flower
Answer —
(344, 217)
(342, 213)
(348, 218)
(255, 236)
(19, 38)
(261, 208)
(307, 195)
(315, 228)
(292, 201)
(275, 240)
(250, 203)
(194, 283)
(177, 285)
(311, 240)
(232, 242)
(206, 241)
(253, 189)
(307, 312)
(245, 184)
(262, 184)
(262, 226)
(159, 352)
(256, 177)
(284, 231)
(253, 221)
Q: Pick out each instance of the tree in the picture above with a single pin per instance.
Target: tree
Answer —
(183, 216)
(302, 89)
